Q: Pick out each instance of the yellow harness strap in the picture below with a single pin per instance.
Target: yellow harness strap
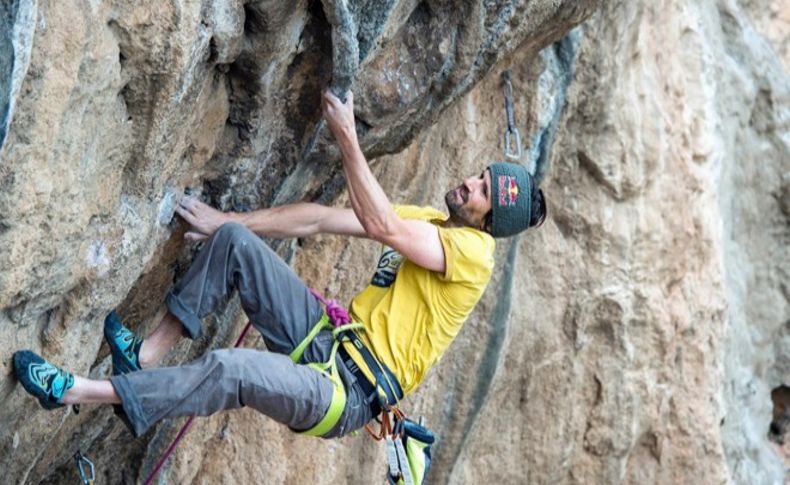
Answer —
(338, 403)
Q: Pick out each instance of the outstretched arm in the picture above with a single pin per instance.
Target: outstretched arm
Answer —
(293, 220)
(416, 240)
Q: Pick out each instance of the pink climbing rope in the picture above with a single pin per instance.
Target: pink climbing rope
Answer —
(334, 310)
(185, 428)
(169, 451)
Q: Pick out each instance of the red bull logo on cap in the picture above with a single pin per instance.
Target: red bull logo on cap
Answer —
(508, 190)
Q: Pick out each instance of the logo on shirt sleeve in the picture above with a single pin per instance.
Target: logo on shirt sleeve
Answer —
(387, 270)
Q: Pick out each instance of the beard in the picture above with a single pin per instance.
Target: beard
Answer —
(456, 200)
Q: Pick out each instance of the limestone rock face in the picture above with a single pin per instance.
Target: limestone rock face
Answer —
(634, 338)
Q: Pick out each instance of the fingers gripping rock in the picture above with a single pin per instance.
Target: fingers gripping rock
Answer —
(202, 218)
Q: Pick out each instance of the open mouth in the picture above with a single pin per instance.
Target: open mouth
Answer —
(463, 194)
(457, 197)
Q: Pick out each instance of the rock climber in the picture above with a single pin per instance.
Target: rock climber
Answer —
(432, 271)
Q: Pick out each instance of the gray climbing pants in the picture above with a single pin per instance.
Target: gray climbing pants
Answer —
(282, 309)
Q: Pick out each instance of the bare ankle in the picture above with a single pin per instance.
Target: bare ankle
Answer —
(90, 391)
(158, 343)
(72, 396)
(146, 358)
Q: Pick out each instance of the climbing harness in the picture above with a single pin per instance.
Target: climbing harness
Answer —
(338, 402)
(84, 468)
(408, 443)
(385, 384)
(512, 152)
(337, 320)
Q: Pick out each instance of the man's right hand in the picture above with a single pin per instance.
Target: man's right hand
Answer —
(340, 117)
(203, 218)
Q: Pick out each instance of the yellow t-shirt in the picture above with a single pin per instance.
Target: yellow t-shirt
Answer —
(411, 314)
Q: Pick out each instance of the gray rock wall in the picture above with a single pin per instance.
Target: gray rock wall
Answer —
(635, 338)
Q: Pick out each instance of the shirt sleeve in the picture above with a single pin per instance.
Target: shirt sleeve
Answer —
(468, 254)
(416, 212)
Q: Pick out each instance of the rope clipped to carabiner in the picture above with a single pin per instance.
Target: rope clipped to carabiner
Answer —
(84, 468)
(512, 152)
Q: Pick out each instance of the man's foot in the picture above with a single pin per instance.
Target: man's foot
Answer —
(124, 345)
(41, 379)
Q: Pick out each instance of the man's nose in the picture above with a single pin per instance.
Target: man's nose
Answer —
(472, 183)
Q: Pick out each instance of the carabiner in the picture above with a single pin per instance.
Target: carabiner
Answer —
(84, 468)
(511, 152)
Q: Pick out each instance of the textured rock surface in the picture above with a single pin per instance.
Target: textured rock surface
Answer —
(634, 339)
(772, 19)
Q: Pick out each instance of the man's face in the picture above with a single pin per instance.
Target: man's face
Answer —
(470, 202)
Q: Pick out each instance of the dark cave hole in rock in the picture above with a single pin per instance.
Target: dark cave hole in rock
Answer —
(255, 21)
(780, 424)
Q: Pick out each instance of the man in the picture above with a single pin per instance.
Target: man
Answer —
(432, 272)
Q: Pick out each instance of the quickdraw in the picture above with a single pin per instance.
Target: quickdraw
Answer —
(84, 468)
(408, 444)
(512, 152)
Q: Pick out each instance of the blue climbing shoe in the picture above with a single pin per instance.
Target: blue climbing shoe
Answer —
(41, 379)
(124, 345)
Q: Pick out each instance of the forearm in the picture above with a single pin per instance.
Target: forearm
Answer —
(368, 199)
(294, 220)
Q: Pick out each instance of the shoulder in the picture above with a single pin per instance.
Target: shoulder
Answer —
(424, 213)
(469, 239)
(469, 253)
